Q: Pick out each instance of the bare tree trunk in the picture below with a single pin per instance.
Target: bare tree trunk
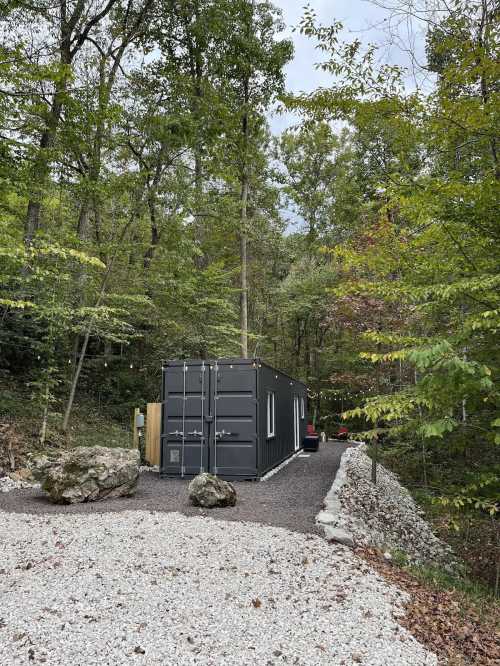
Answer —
(88, 331)
(243, 211)
(76, 377)
(32, 217)
(40, 171)
(243, 271)
(376, 442)
(83, 221)
(149, 254)
(424, 463)
(197, 75)
(155, 231)
(10, 455)
(43, 428)
(73, 36)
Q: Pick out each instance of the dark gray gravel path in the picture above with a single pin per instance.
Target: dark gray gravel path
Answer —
(291, 498)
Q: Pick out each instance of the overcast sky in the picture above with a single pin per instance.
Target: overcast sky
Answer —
(361, 19)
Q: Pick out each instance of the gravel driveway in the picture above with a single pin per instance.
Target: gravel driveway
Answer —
(149, 585)
(291, 498)
(162, 588)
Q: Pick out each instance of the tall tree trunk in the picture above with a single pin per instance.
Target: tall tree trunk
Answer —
(45, 417)
(41, 168)
(155, 229)
(88, 329)
(73, 35)
(155, 239)
(484, 24)
(376, 440)
(76, 376)
(83, 220)
(243, 269)
(197, 76)
(245, 130)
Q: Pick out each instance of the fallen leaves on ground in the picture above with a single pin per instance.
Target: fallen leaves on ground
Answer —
(439, 619)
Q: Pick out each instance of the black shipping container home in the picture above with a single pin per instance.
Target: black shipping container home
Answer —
(237, 418)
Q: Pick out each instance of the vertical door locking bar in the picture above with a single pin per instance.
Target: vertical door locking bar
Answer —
(183, 417)
(202, 433)
(216, 371)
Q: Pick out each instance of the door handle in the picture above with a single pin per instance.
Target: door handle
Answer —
(176, 432)
(196, 433)
(221, 433)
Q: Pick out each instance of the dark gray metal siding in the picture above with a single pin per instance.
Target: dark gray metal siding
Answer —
(272, 451)
(185, 455)
(233, 451)
(223, 405)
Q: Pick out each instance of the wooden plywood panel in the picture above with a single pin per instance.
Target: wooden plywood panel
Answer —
(153, 426)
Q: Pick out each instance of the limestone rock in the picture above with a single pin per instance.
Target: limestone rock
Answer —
(88, 474)
(339, 535)
(209, 491)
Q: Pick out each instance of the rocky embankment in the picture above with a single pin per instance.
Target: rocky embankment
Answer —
(359, 513)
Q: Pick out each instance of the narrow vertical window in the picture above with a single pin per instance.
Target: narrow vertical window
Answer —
(302, 408)
(271, 414)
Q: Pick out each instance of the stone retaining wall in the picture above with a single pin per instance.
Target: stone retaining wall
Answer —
(358, 513)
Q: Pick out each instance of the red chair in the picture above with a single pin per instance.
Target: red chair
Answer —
(343, 433)
(311, 440)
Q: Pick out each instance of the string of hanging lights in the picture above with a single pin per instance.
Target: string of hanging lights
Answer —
(106, 362)
(337, 395)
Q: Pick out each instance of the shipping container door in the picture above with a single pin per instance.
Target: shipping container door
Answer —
(186, 429)
(233, 444)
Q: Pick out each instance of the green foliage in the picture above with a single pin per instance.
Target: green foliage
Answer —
(120, 186)
(320, 182)
(483, 494)
(424, 263)
(137, 167)
(444, 580)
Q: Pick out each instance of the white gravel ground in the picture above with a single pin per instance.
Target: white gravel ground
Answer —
(159, 588)
(7, 484)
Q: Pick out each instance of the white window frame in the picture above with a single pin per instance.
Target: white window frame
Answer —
(296, 423)
(302, 408)
(271, 414)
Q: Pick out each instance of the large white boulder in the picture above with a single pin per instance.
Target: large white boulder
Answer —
(88, 474)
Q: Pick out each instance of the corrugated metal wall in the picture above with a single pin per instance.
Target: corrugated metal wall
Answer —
(214, 417)
(273, 450)
(233, 450)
